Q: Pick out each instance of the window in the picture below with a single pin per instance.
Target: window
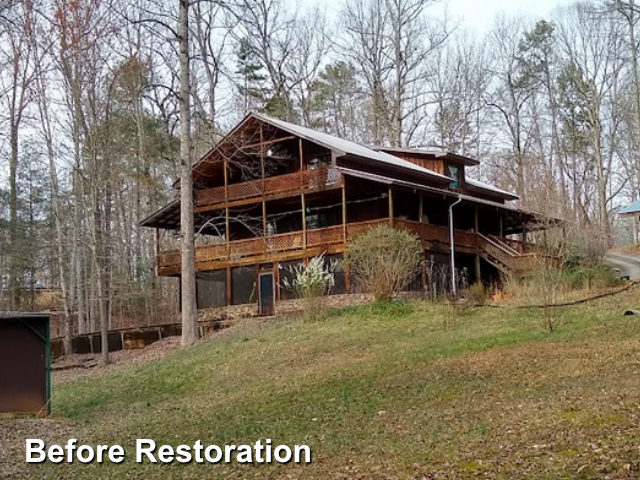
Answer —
(454, 175)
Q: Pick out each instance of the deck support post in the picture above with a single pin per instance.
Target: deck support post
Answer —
(476, 222)
(344, 214)
(226, 231)
(156, 260)
(347, 279)
(264, 205)
(226, 201)
(264, 218)
(304, 221)
(390, 207)
(500, 218)
(454, 286)
(228, 282)
(476, 227)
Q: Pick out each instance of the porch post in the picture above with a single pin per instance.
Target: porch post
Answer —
(264, 218)
(226, 208)
(301, 156)
(500, 217)
(454, 287)
(264, 205)
(344, 214)
(228, 282)
(304, 221)
(476, 223)
(226, 230)
(390, 207)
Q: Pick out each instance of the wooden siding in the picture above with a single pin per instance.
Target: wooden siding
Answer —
(418, 159)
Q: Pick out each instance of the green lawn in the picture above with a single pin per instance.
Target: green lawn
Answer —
(410, 392)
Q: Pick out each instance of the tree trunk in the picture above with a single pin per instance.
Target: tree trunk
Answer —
(188, 277)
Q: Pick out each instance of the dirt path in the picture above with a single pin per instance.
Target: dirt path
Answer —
(628, 264)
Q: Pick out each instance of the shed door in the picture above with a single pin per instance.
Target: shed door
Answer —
(267, 294)
(23, 369)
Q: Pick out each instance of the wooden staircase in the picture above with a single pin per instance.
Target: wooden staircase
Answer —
(498, 254)
(508, 260)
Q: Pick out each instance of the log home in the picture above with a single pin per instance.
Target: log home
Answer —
(272, 194)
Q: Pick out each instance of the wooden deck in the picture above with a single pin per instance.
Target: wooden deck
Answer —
(294, 245)
(306, 181)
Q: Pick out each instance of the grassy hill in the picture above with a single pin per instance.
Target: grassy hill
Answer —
(414, 391)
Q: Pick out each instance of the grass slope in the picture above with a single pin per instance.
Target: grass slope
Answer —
(408, 392)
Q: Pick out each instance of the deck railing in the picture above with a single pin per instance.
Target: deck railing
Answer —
(281, 185)
(334, 235)
(495, 250)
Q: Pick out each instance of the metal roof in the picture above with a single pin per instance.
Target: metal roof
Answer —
(631, 210)
(491, 188)
(22, 315)
(430, 153)
(347, 147)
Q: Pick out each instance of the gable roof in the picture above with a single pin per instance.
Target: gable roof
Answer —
(346, 147)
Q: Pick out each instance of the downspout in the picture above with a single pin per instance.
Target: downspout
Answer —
(454, 288)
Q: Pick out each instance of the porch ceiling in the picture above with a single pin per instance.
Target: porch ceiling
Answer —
(515, 219)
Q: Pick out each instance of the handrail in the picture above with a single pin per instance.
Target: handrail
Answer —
(504, 244)
(498, 254)
(497, 245)
(304, 180)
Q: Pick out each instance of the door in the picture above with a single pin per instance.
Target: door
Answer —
(267, 297)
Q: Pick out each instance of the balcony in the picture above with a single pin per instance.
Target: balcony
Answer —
(305, 181)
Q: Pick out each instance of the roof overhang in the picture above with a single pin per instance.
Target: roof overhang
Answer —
(432, 154)
(486, 189)
(516, 216)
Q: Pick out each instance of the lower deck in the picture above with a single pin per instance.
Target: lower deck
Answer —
(229, 272)
(242, 285)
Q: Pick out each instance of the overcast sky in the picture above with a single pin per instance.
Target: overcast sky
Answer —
(477, 15)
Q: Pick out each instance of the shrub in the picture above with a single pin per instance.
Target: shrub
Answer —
(383, 261)
(477, 294)
(311, 282)
(590, 276)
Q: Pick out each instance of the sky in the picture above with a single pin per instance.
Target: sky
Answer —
(479, 15)
(475, 15)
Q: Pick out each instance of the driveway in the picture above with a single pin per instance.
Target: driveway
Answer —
(628, 264)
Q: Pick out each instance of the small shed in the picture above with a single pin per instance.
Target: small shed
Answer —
(632, 210)
(25, 363)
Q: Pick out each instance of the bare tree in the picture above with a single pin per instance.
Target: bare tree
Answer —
(17, 51)
(188, 273)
